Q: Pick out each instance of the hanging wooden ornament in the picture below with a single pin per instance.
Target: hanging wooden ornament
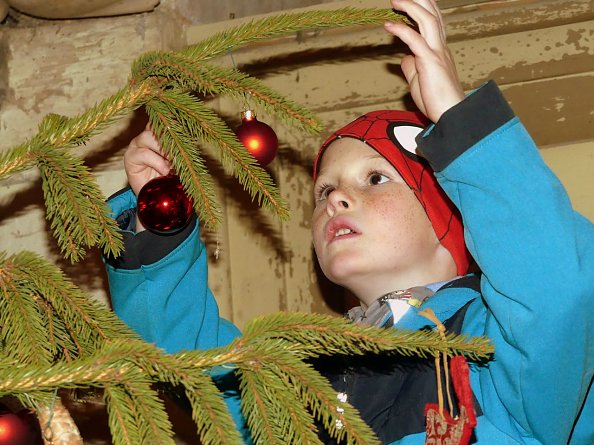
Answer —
(442, 427)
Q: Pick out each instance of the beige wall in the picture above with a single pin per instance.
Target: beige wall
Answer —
(541, 53)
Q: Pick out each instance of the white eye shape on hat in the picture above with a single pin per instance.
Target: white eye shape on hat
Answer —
(403, 135)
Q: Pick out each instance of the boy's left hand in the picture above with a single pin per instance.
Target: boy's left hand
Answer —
(430, 70)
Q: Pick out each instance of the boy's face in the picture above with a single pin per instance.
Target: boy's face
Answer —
(370, 232)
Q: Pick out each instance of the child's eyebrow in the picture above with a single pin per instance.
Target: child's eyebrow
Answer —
(374, 156)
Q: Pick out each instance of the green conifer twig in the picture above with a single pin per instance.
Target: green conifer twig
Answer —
(282, 24)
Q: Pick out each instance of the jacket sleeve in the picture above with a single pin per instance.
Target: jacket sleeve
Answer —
(159, 287)
(536, 255)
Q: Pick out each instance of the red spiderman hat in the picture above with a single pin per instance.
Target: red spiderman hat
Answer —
(392, 134)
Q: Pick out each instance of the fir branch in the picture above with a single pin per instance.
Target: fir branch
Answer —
(37, 399)
(16, 160)
(214, 424)
(340, 336)
(191, 75)
(22, 326)
(98, 370)
(295, 422)
(237, 84)
(319, 395)
(62, 340)
(256, 408)
(84, 320)
(153, 424)
(121, 416)
(205, 125)
(151, 74)
(283, 24)
(117, 358)
(28, 323)
(285, 371)
(171, 126)
(60, 131)
(267, 364)
(75, 205)
(208, 408)
(292, 423)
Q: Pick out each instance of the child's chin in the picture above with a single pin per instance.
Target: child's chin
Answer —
(342, 272)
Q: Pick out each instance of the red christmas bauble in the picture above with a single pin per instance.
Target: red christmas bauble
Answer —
(163, 205)
(18, 429)
(257, 137)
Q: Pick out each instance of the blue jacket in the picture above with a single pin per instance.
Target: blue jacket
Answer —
(536, 299)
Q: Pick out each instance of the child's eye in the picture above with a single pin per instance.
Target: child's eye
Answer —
(323, 191)
(376, 178)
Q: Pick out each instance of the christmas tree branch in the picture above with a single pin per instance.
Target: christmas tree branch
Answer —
(16, 160)
(75, 205)
(59, 131)
(263, 362)
(263, 426)
(214, 424)
(248, 89)
(206, 126)
(122, 418)
(319, 395)
(21, 321)
(112, 361)
(60, 317)
(307, 389)
(171, 127)
(283, 24)
(339, 336)
(193, 75)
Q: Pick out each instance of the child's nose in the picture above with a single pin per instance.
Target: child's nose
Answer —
(339, 200)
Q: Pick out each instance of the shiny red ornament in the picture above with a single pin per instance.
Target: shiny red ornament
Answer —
(163, 205)
(18, 428)
(257, 137)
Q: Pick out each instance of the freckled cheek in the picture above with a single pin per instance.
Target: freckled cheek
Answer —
(389, 207)
(399, 218)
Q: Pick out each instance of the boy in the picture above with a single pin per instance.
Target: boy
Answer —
(383, 230)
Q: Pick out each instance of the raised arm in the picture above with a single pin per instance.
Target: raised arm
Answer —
(535, 252)
(159, 286)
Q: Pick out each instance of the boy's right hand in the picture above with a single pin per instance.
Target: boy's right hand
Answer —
(144, 160)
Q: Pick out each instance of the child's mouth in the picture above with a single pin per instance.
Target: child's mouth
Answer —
(341, 232)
